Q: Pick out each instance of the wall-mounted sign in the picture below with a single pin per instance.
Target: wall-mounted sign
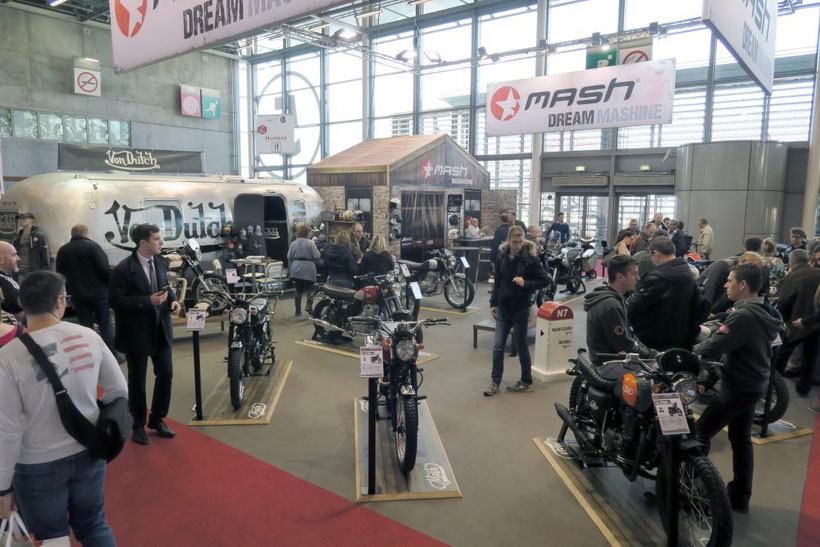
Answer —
(76, 157)
(747, 29)
(210, 103)
(618, 96)
(275, 134)
(144, 31)
(601, 56)
(87, 82)
(635, 51)
(190, 102)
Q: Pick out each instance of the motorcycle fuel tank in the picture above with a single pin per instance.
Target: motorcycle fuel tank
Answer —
(635, 391)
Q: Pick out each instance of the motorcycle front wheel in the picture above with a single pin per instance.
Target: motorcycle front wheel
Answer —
(406, 432)
(236, 378)
(462, 294)
(705, 516)
(778, 403)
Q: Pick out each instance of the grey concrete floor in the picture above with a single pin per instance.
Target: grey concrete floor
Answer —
(511, 495)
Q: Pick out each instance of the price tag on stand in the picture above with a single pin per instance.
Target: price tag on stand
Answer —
(671, 413)
(196, 319)
(370, 360)
(231, 276)
(465, 263)
(275, 270)
(414, 286)
(405, 271)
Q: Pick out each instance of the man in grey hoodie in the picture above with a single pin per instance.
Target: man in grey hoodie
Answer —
(608, 329)
(744, 341)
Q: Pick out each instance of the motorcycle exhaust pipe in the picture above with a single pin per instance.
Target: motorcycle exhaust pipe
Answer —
(329, 326)
(638, 456)
(566, 417)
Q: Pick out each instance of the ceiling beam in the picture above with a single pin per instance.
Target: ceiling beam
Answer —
(90, 16)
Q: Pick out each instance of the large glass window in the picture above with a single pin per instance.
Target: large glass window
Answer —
(508, 144)
(513, 175)
(738, 112)
(639, 13)
(690, 49)
(688, 115)
(570, 19)
(455, 123)
(796, 33)
(790, 110)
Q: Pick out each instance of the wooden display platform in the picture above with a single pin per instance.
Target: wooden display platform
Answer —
(781, 430)
(450, 310)
(431, 478)
(348, 350)
(261, 395)
(616, 506)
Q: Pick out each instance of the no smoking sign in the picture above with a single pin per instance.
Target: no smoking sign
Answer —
(86, 82)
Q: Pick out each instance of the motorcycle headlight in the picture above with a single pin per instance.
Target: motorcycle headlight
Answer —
(451, 261)
(238, 316)
(406, 350)
(687, 389)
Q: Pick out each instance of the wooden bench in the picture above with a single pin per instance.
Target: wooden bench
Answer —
(488, 325)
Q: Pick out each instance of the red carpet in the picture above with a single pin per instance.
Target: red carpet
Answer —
(197, 491)
(808, 531)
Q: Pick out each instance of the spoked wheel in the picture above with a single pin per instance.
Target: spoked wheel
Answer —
(411, 303)
(705, 517)
(406, 431)
(778, 403)
(459, 292)
(314, 295)
(236, 378)
(214, 286)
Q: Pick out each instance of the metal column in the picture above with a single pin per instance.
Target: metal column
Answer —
(538, 138)
(813, 169)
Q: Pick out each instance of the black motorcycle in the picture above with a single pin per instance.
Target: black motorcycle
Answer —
(250, 342)
(332, 307)
(439, 274)
(184, 263)
(564, 265)
(611, 413)
(398, 388)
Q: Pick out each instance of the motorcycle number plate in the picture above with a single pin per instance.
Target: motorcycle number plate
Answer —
(414, 286)
(370, 360)
(231, 276)
(464, 262)
(405, 271)
(671, 413)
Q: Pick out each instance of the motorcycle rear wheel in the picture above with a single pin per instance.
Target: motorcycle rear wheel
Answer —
(218, 284)
(779, 402)
(462, 294)
(705, 516)
(236, 378)
(406, 432)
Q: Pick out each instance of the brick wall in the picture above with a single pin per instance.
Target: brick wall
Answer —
(493, 203)
(333, 196)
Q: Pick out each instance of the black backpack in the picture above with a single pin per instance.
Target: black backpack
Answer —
(107, 437)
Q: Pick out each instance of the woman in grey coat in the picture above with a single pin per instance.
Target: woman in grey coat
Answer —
(302, 257)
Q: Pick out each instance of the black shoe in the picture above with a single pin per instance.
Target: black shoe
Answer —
(138, 436)
(803, 391)
(742, 508)
(162, 430)
(791, 373)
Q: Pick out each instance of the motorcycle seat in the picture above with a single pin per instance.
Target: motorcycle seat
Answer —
(335, 291)
(592, 375)
(413, 265)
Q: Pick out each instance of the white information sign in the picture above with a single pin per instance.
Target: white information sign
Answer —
(196, 319)
(275, 134)
(405, 271)
(464, 262)
(615, 96)
(414, 286)
(146, 31)
(747, 28)
(231, 276)
(87, 82)
(671, 413)
(275, 270)
(370, 359)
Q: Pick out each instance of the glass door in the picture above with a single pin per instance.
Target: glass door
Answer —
(585, 214)
(643, 208)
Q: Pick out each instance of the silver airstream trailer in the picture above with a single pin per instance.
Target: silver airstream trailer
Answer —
(182, 206)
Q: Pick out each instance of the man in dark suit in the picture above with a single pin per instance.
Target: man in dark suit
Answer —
(678, 237)
(143, 304)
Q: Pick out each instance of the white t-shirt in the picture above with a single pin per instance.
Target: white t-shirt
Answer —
(30, 426)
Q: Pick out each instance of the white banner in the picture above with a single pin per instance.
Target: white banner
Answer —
(617, 96)
(747, 28)
(146, 31)
(275, 134)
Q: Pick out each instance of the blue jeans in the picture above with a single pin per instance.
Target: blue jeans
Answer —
(504, 321)
(53, 495)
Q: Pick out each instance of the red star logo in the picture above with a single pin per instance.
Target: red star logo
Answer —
(262, 129)
(505, 103)
(426, 168)
(130, 15)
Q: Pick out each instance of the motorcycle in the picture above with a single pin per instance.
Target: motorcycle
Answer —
(332, 307)
(710, 380)
(399, 387)
(612, 417)
(564, 266)
(184, 262)
(590, 256)
(439, 274)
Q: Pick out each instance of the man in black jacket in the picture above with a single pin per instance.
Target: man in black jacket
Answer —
(608, 329)
(519, 274)
(85, 267)
(499, 237)
(744, 340)
(143, 303)
(795, 302)
(31, 245)
(667, 308)
(678, 237)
